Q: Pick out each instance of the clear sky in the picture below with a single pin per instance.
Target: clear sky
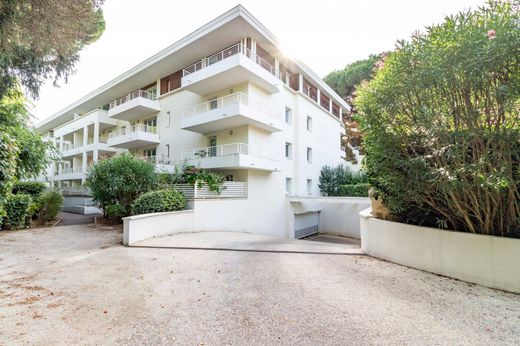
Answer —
(324, 34)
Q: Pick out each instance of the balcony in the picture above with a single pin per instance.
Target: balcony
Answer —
(233, 156)
(133, 136)
(72, 149)
(229, 67)
(230, 111)
(71, 173)
(135, 105)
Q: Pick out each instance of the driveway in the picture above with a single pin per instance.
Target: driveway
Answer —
(78, 285)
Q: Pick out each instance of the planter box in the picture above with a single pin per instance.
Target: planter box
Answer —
(480, 259)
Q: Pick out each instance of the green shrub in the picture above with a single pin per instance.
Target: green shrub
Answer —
(333, 178)
(119, 180)
(441, 124)
(354, 190)
(17, 208)
(115, 212)
(51, 203)
(159, 201)
(31, 188)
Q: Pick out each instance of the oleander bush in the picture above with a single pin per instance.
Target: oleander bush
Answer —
(441, 124)
(16, 209)
(159, 201)
(50, 203)
(115, 212)
(120, 180)
(332, 179)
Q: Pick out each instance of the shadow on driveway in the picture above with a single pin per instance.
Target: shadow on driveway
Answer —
(68, 219)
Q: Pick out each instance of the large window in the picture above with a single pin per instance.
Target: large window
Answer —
(288, 150)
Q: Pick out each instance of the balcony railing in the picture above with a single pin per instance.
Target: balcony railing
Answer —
(227, 101)
(227, 149)
(132, 129)
(71, 170)
(229, 189)
(158, 160)
(131, 96)
(226, 53)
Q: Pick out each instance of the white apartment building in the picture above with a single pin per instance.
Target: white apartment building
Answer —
(223, 98)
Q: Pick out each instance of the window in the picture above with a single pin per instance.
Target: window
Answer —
(288, 185)
(309, 123)
(213, 103)
(309, 154)
(288, 150)
(309, 186)
(288, 115)
(151, 122)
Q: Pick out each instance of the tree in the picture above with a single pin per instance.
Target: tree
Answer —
(441, 123)
(23, 152)
(120, 180)
(345, 82)
(40, 39)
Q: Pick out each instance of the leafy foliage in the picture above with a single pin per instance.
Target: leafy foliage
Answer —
(193, 175)
(333, 178)
(50, 205)
(31, 188)
(115, 212)
(17, 208)
(159, 201)
(23, 152)
(354, 190)
(442, 124)
(40, 39)
(119, 180)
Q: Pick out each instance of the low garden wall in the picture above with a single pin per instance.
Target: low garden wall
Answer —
(146, 226)
(480, 259)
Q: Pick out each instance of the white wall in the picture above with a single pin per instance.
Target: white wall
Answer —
(146, 226)
(484, 260)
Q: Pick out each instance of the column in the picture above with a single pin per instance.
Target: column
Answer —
(277, 68)
(85, 136)
(300, 83)
(330, 105)
(318, 96)
(96, 133)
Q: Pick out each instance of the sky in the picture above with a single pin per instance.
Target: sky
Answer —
(324, 34)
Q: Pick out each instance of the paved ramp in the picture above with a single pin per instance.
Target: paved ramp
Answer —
(237, 241)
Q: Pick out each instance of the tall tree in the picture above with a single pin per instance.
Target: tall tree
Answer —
(345, 82)
(41, 39)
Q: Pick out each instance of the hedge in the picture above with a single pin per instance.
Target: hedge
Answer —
(51, 203)
(354, 190)
(159, 201)
(31, 188)
(16, 208)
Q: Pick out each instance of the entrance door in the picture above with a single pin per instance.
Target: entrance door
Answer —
(213, 146)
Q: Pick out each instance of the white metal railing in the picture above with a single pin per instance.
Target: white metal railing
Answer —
(158, 160)
(131, 96)
(132, 129)
(69, 170)
(226, 53)
(227, 149)
(229, 189)
(67, 146)
(76, 190)
(226, 101)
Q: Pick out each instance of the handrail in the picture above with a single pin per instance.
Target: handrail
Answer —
(158, 160)
(131, 96)
(225, 101)
(71, 170)
(226, 53)
(132, 129)
(228, 149)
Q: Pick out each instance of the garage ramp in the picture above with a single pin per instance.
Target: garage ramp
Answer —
(238, 241)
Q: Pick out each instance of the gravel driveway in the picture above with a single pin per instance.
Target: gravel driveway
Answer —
(78, 285)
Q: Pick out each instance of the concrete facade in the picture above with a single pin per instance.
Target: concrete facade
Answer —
(481, 259)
